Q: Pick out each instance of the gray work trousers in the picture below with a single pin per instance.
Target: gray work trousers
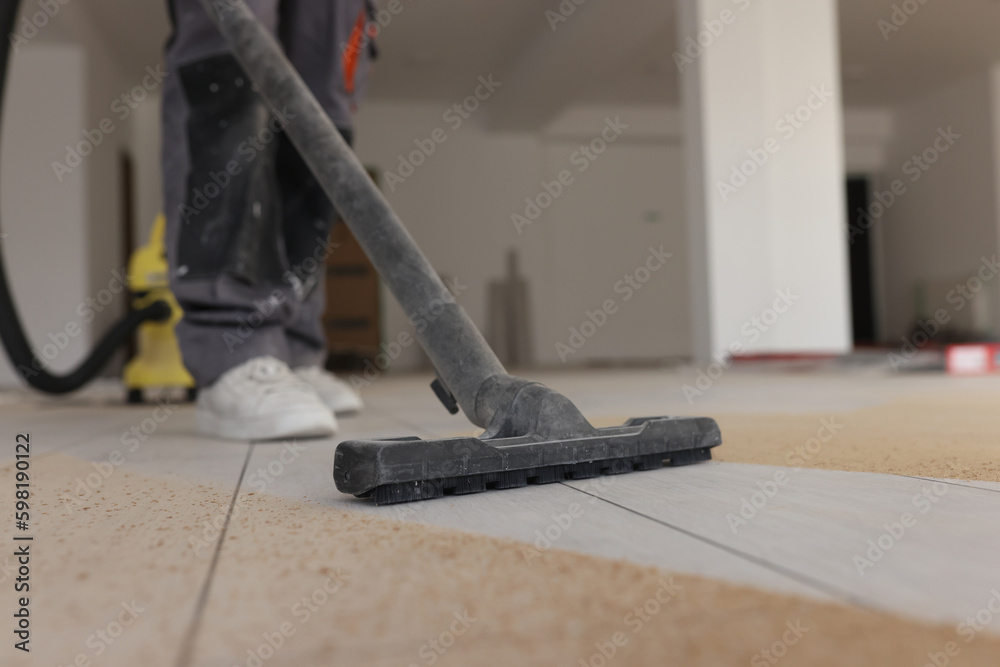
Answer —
(247, 225)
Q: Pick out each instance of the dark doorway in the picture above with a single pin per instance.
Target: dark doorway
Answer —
(860, 243)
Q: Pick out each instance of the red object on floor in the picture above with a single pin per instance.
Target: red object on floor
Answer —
(973, 359)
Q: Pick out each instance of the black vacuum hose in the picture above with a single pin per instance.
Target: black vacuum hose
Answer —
(19, 350)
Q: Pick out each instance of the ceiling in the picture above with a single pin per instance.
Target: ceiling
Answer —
(605, 52)
(944, 39)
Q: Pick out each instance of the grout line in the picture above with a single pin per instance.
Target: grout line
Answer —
(187, 643)
(945, 481)
(818, 584)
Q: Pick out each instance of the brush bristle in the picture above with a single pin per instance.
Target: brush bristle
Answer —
(405, 492)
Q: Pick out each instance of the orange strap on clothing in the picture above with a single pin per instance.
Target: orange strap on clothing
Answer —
(352, 54)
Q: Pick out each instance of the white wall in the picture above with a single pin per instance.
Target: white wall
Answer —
(456, 204)
(44, 222)
(602, 230)
(459, 205)
(65, 244)
(145, 146)
(947, 219)
(101, 170)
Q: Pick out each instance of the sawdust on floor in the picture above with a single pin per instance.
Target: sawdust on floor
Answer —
(949, 436)
(301, 584)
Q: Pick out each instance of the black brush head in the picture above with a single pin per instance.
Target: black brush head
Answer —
(404, 470)
(389, 494)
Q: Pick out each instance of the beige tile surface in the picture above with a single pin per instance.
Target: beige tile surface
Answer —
(344, 588)
(128, 545)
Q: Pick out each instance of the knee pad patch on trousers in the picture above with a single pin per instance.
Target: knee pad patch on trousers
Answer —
(231, 219)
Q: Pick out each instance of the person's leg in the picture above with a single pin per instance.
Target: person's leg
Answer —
(225, 240)
(323, 39)
(224, 230)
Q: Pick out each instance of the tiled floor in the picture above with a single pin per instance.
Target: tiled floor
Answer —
(811, 535)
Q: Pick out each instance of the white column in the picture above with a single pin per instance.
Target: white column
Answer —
(764, 149)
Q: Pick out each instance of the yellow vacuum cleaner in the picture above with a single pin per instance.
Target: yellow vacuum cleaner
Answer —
(158, 360)
(154, 312)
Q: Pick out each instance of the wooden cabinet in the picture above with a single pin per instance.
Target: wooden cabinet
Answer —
(353, 311)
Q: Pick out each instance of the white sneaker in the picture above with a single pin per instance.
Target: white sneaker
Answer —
(262, 399)
(336, 394)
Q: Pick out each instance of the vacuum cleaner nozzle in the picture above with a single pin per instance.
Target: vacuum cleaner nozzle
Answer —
(542, 438)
